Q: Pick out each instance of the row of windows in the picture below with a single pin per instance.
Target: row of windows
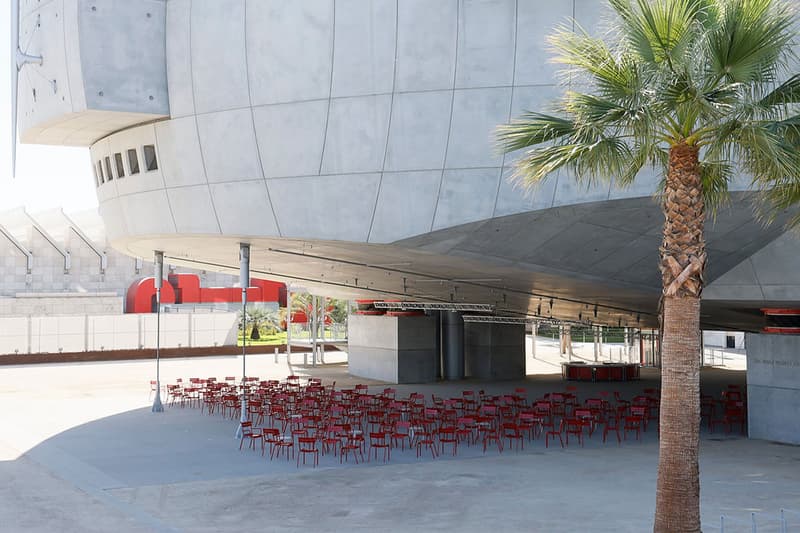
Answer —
(119, 166)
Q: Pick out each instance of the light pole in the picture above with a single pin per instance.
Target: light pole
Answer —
(158, 407)
(244, 280)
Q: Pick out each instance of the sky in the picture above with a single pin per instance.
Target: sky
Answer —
(47, 176)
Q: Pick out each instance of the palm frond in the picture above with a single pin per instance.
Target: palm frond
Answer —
(532, 129)
(715, 176)
(751, 41)
(784, 94)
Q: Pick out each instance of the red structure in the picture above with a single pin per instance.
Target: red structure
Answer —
(141, 296)
(782, 321)
(186, 289)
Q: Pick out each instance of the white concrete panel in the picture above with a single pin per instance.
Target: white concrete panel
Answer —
(290, 137)
(363, 57)
(569, 191)
(193, 210)
(178, 152)
(593, 16)
(486, 40)
(325, 207)
(134, 139)
(646, 184)
(219, 67)
(466, 196)
(179, 59)
(536, 20)
(243, 208)
(476, 115)
(113, 219)
(426, 44)
(146, 213)
(406, 203)
(418, 133)
(512, 198)
(356, 136)
(228, 141)
(289, 50)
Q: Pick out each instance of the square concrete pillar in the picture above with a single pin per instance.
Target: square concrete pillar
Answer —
(393, 349)
(773, 387)
(494, 351)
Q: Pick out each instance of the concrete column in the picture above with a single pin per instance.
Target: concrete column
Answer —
(534, 331)
(773, 387)
(596, 335)
(452, 345)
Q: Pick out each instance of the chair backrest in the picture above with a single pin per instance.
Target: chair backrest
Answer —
(638, 410)
(247, 428)
(307, 443)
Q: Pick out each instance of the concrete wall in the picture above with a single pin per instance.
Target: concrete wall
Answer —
(392, 349)
(773, 387)
(103, 68)
(53, 334)
(494, 351)
(50, 304)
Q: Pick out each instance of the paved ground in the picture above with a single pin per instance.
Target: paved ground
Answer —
(80, 451)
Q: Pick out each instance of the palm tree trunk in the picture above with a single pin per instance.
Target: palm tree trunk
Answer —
(683, 258)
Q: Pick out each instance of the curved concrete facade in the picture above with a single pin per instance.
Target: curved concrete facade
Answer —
(358, 133)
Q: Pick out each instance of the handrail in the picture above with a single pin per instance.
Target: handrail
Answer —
(19, 247)
(49, 238)
(102, 255)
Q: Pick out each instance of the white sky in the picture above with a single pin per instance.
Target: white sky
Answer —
(47, 176)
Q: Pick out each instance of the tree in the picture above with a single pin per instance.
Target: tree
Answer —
(695, 88)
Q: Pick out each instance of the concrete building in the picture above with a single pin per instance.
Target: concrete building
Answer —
(349, 143)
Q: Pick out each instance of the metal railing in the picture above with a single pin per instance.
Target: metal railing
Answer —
(765, 523)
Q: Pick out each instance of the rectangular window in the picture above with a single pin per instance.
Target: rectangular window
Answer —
(150, 162)
(109, 175)
(133, 161)
(119, 165)
(100, 172)
(96, 176)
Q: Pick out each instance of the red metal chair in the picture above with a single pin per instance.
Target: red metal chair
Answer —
(574, 427)
(378, 440)
(251, 434)
(447, 435)
(554, 433)
(513, 433)
(305, 446)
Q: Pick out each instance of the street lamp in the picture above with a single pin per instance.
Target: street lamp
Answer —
(158, 407)
(244, 280)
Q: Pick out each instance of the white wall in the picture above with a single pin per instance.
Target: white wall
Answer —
(54, 334)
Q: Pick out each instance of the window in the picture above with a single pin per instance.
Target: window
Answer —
(109, 175)
(133, 161)
(150, 162)
(119, 165)
(100, 171)
(96, 176)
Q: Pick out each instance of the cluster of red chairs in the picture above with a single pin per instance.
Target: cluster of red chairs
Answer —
(729, 411)
(301, 419)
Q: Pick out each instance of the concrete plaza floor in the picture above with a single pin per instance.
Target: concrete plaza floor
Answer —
(80, 451)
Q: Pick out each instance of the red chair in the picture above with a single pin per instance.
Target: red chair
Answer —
(633, 422)
(354, 446)
(586, 419)
(251, 434)
(379, 441)
(402, 433)
(466, 429)
(493, 435)
(425, 440)
(554, 433)
(307, 445)
(284, 444)
(611, 424)
(447, 435)
(574, 427)
(513, 433)
(271, 437)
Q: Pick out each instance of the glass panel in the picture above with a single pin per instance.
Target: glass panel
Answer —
(100, 172)
(133, 161)
(150, 157)
(109, 175)
(119, 165)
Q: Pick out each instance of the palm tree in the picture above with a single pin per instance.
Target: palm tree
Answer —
(694, 88)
